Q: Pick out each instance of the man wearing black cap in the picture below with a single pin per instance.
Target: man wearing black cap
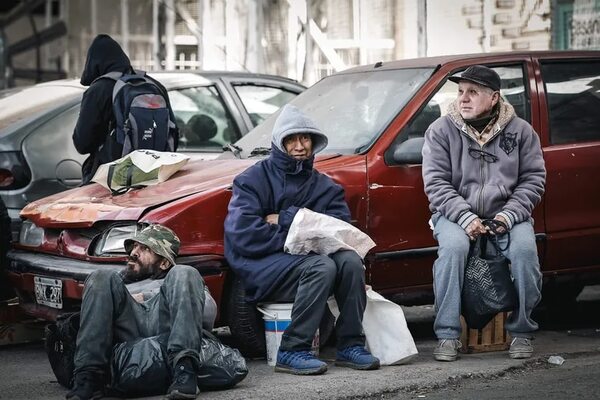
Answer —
(481, 161)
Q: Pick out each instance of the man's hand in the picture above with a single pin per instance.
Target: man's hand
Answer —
(500, 228)
(475, 229)
(272, 219)
(139, 297)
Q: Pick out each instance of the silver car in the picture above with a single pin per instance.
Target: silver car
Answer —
(37, 155)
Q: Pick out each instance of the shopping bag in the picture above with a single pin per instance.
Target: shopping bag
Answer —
(321, 234)
(138, 169)
(488, 286)
(387, 335)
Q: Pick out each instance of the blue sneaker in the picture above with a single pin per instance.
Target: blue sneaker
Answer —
(356, 357)
(299, 363)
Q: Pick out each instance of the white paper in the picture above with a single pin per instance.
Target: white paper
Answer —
(319, 233)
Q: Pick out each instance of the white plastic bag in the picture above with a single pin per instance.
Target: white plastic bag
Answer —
(322, 234)
(140, 167)
(388, 337)
(384, 325)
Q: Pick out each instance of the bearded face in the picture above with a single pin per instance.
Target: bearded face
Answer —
(143, 263)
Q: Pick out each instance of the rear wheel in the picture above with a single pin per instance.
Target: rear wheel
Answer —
(247, 326)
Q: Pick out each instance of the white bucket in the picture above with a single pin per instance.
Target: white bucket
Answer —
(278, 317)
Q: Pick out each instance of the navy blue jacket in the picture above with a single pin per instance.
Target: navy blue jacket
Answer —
(277, 185)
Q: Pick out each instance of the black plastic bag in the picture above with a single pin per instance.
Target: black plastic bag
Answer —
(140, 367)
(221, 366)
(60, 343)
(487, 287)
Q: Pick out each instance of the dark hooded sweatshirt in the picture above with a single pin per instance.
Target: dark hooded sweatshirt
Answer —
(96, 118)
(278, 185)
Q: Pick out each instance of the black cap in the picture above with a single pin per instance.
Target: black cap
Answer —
(481, 75)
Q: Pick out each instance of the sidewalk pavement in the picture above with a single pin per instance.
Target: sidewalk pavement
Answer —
(422, 374)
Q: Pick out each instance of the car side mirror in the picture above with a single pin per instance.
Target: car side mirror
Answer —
(409, 151)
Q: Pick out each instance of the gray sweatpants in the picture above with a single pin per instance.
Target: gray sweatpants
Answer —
(308, 286)
(449, 268)
(110, 315)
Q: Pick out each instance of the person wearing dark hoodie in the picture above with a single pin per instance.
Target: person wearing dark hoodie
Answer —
(265, 199)
(96, 117)
(482, 162)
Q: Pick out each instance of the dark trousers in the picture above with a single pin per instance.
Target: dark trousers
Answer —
(308, 286)
(110, 315)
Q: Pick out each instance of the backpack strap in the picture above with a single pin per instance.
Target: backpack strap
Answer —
(114, 75)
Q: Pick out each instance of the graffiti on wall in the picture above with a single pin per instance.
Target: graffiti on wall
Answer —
(585, 25)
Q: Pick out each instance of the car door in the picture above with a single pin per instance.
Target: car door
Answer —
(398, 207)
(570, 94)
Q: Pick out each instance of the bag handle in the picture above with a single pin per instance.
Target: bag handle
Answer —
(494, 225)
(128, 186)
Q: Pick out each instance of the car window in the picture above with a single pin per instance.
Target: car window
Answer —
(262, 101)
(204, 122)
(512, 91)
(352, 109)
(573, 97)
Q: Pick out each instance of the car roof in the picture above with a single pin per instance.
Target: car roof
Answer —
(424, 62)
(171, 79)
(176, 78)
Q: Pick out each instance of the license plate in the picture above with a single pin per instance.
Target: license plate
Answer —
(48, 292)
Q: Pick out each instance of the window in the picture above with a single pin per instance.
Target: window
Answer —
(573, 97)
(204, 122)
(512, 90)
(352, 109)
(262, 101)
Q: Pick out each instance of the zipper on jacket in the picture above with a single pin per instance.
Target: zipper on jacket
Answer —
(481, 190)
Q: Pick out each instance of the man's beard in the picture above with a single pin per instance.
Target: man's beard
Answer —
(144, 271)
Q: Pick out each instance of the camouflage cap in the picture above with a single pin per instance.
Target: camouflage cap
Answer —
(159, 239)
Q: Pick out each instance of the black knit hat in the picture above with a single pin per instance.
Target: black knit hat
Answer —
(481, 75)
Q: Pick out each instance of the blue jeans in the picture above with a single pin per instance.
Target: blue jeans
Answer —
(449, 268)
(110, 315)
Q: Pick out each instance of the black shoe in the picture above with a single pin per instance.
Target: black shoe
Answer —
(88, 385)
(184, 384)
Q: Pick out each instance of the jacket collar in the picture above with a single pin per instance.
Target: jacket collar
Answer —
(288, 164)
(506, 112)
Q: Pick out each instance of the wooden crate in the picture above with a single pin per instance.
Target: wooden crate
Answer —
(493, 336)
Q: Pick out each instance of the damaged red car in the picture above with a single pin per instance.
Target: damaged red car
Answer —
(375, 117)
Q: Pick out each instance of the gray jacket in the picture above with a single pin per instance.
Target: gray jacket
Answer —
(462, 187)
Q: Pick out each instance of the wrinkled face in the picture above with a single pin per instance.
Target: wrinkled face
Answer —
(475, 101)
(143, 263)
(298, 146)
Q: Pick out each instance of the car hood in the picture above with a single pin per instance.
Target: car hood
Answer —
(84, 206)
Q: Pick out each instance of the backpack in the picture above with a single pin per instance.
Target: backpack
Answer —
(60, 343)
(143, 114)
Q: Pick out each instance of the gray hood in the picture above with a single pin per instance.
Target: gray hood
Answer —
(292, 121)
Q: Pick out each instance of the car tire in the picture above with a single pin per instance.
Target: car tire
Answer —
(247, 326)
(245, 322)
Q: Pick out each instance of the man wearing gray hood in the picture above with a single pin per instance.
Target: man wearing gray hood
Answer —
(265, 199)
(481, 161)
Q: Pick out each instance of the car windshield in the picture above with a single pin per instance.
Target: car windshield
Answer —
(18, 104)
(352, 109)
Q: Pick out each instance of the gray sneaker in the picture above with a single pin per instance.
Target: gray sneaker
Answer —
(520, 348)
(447, 350)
